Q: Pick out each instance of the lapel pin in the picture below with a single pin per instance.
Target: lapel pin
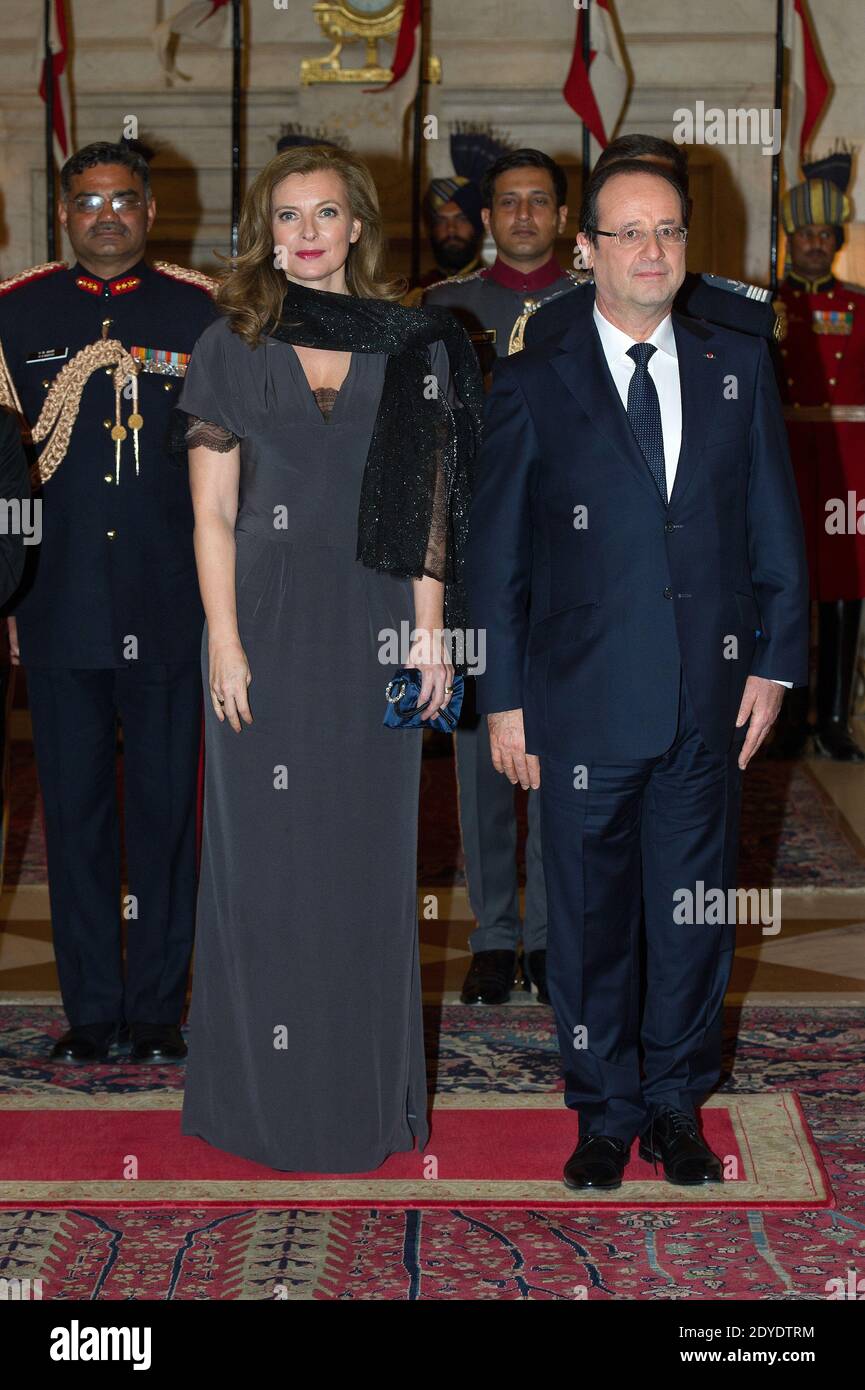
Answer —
(710, 354)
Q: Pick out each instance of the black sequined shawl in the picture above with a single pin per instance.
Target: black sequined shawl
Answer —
(416, 488)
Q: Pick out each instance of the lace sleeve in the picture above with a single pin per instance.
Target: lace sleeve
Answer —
(435, 561)
(205, 433)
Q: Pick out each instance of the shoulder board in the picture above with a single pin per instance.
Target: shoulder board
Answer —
(36, 272)
(579, 277)
(720, 282)
(851, 289)
(187, 276)
(478, 274)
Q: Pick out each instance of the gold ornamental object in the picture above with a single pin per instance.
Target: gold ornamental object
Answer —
(354, 21)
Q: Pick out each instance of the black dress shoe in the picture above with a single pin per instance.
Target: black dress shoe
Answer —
(597, 1161)
(834, 740)
(156, 1042)
(84, 1043)
(537, 968)
(674, 1140)
(490, 977)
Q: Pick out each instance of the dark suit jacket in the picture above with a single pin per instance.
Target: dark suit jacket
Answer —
(586, 626)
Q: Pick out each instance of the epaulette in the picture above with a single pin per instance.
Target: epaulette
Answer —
(459, 279)
(187, 276)
(36, 272)
(578, 278)
(720, 282)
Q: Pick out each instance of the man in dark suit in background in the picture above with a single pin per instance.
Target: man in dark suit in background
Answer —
(636, 558)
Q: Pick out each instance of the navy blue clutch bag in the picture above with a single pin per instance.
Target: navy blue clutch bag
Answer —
(402, 711)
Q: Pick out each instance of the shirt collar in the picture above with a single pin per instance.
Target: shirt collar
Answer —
(818, 286)
(521, 281)
(616, 343)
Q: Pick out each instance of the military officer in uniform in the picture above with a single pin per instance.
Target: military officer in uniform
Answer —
(718, 300)
(524, 208)
(109, 622)
(823, 357)
(452, 208)
(19, 518)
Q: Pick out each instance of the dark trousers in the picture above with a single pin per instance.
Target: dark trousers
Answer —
(488, 825)
(74, 715)
(623, 845)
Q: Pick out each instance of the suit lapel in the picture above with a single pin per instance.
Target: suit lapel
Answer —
(581, 364)
(698, 382)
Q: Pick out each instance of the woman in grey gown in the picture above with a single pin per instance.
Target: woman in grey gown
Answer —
(306, 1044)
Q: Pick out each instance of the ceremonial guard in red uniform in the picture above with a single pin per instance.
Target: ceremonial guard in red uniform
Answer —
(109, 620)
(823, 363)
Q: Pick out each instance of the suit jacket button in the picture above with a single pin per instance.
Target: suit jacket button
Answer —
(668, 526)
(668, 592)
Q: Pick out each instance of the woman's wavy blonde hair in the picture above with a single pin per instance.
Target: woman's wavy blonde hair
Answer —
(252, 289)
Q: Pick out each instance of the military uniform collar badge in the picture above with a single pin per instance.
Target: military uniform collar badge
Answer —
(118, 284)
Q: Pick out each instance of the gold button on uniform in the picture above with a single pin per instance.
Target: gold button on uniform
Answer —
(839, 355)
(46, 383)
(107, 477)
(167, 385)
(111, 535)
(833, 381)
(106, 424)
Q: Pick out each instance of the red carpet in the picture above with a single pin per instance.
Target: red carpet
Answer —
(511, 1151)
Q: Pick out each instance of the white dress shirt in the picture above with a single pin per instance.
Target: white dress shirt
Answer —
(664, 371)
(663, 368)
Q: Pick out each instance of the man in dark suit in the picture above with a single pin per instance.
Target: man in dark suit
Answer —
(636, 559)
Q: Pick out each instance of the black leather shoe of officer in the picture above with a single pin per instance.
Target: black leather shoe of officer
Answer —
(597, 1161)
(537, 967)
(490, 978)
(156, 1042)
(88, 1042)
(834, 740)
(674, 1140)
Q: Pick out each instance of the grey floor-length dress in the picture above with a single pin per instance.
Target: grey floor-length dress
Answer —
(305, 1039)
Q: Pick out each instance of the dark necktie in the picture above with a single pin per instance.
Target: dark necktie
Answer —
(644, 414)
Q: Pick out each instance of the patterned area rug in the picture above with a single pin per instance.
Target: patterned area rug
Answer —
(792, 834)
(537, 1253)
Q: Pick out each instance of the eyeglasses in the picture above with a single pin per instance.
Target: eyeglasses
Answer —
(95, 202)
(638, 236)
